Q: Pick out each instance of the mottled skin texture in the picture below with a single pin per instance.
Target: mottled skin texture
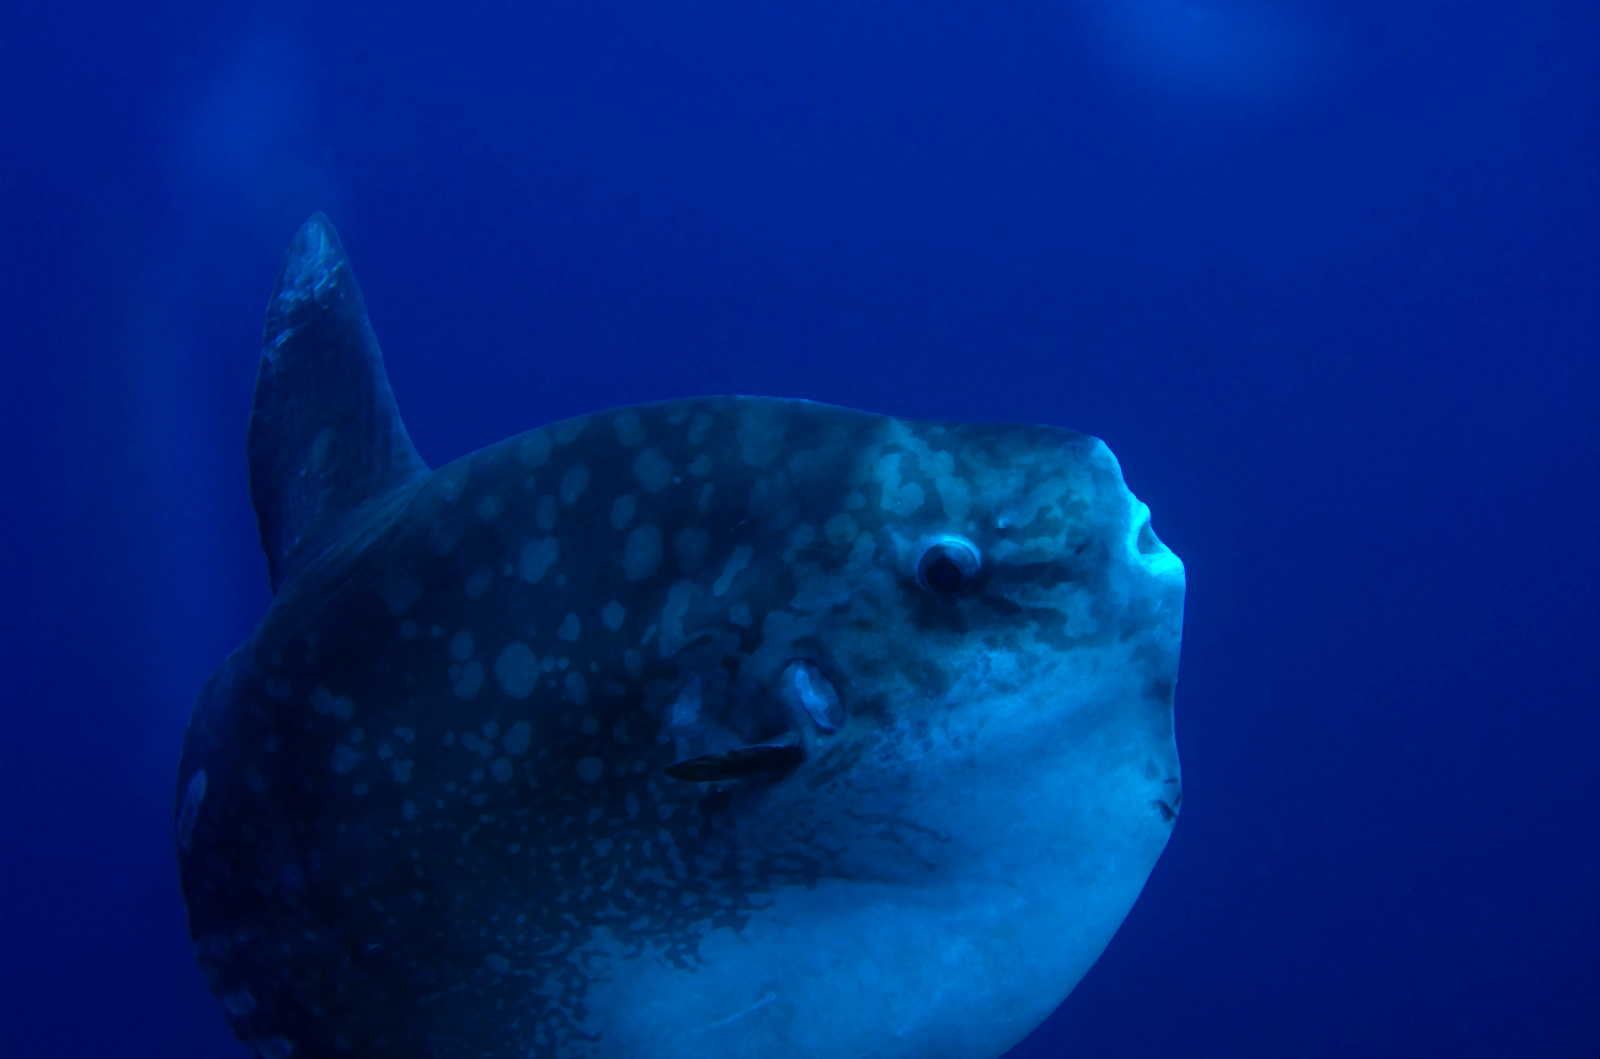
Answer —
(434, 821)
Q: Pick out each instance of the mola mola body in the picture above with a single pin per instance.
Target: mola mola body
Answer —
(713, 728)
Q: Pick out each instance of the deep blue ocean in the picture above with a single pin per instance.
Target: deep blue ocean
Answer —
(1326, 278)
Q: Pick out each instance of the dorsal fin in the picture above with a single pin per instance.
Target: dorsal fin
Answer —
(325, 435)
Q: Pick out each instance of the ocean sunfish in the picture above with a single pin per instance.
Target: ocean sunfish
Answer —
(713, 728)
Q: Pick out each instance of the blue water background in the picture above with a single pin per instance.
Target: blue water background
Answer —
(1325, 277)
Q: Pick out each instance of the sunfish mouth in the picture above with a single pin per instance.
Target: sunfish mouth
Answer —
(810, 697)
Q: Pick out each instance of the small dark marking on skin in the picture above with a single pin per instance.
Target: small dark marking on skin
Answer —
(844, 763)
(1167, 812)
(896, 821)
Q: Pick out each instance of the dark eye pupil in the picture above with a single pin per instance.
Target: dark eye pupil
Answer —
(943, 575)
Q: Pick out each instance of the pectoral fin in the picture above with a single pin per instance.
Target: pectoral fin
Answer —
(745, 761)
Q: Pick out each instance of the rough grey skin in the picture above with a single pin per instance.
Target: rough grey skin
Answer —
(721, 727)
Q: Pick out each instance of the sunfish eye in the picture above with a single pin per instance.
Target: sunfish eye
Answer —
(948, 565)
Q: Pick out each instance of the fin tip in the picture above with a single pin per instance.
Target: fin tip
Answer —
(311, 266)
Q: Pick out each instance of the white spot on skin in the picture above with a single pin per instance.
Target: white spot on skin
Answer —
(630, 435)
(517, 670)
(736, 562)
(653, 470)
(860, 554)
(673, 635)
(497, 963)
(622, 509)
(760, 436)
(613, 615)
(573, 483)
(642, 554)
(193, 795)
(402, 770)
(799, 537)
(701, 466)
(408, 811)
(461, 645)
(489, 508)
(451, 480)
(533, 449)
(686, 710)
(501, 770)
(569, 629)
(518, 738)
(698, 426)
(897, 498)
(344, 758)
(739, 614)
(537, 556)
(815, 704)
(470, 682)
(567, 432)
(577, 688)
(545, 513)
(590, 769)
(955, 497)
(603, 847)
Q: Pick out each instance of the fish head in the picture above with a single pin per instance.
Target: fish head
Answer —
(921, 698)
